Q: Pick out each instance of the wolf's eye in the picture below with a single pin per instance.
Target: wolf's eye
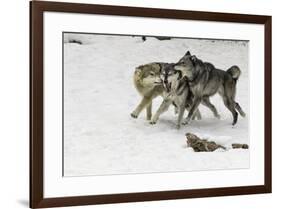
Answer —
(151, 73)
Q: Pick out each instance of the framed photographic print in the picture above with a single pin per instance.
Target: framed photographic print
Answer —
(139, 104)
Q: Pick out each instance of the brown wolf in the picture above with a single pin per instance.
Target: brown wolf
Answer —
(149, 85)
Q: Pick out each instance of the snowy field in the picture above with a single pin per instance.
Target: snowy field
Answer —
(101, 138)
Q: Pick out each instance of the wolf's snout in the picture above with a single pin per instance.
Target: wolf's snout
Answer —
(158, 81)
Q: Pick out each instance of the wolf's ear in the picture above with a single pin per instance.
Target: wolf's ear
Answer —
(138, 71)
(157, 67)
(193, 59)
(188, 53)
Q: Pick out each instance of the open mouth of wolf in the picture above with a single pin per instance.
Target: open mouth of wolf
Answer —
(158, 83)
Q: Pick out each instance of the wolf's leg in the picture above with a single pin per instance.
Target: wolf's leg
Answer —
(197, 114)
(163, 108)
(230, 104)
(180, 116)
(144, 102)
(193, 109)
(239, 109)
(232, 93)
(229, 99)
(175, 108)
(149, 111)
(207, 103)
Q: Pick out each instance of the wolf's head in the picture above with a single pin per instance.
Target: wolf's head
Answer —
(170, 75)
(187, 65)
(148, 75)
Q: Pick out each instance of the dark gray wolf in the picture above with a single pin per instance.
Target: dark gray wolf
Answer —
(178, 93)
(205, 80)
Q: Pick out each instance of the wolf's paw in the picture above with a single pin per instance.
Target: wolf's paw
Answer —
(133, 115)
(152, 122)
(185, 122)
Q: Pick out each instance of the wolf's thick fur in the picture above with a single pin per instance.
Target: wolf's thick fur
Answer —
(176, 91)
(149, 85)
(205, 80)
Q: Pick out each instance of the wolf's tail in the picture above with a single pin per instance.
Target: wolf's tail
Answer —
(234, 71)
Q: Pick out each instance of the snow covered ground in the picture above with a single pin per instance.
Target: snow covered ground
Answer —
(100, 137)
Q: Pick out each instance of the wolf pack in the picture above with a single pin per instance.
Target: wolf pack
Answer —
(186, 84)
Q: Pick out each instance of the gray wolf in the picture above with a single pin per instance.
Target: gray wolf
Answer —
(205, 80)
(176, 91)
(149, 85)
